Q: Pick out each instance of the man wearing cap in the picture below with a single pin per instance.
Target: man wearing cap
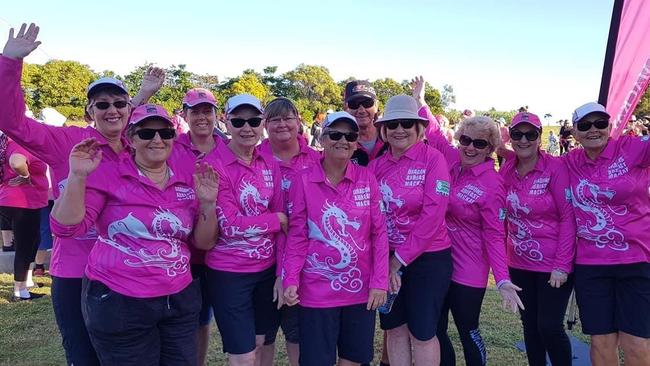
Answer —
(140, 303)
(242, 265)
(360, 101)
(108, 107)
(609, 186)
(336, 260)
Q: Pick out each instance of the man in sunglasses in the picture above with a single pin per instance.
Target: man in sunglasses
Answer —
(361, 102)
(609, 188)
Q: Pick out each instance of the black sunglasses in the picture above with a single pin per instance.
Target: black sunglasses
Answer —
(150, 133)
(239, 122)
(105, 105)
(366, 103)
(516, 135)
(405, 123)
(336, 135)
(478, 143)
(600, 124)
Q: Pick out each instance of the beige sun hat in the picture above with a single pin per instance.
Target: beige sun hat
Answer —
(401, 107)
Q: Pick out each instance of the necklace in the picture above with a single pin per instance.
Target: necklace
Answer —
(160, 182)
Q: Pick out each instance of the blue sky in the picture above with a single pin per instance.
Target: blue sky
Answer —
(503, 54)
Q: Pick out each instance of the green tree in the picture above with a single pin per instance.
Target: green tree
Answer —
(386, 88)
(447, 97)
(313, 88)
(58, 84)
(643, 108)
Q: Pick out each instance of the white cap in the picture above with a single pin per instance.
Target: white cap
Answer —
(588, 108)
(106, 81)
(341, 116)
(243, 99)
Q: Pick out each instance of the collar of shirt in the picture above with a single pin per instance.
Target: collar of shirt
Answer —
(228, 157)
(372, 154)
(413, 152)
(128, 168)
(304, 149)
(476, 170)
(607, 154)
(104, 142)
(317, 174)
(185, 140)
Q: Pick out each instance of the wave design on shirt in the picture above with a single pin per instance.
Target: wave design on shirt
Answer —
(392, 220)
(342, 273)
(165, 226)
(525, 245)
(600, 229)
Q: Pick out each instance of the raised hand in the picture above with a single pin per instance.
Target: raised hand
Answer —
(417, 85)
(511, 300)
(206, 183)
(153, 80)
(23, 43)
(85, 157)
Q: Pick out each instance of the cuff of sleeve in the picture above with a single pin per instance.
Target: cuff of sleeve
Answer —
(501, 283)
(379, 284)
(286, 282)
(62, 231)
(399, 258)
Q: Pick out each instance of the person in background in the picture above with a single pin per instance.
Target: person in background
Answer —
(553, 145)
(565, 135)
(284, 144)
(139, 301)
(242, 264)
(360, 100)
(414, 181)
(609, 181)
(23, 193)
(541, 240)
(108, 108)
(336, 259)
(315, 133)
(180, 124)
(475, 224)
(45, 244)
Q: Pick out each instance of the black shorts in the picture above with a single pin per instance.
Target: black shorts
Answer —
(613, 298)
(198, 272)
(419, 303)
(350, 330)
(243, 307)
(290, 324)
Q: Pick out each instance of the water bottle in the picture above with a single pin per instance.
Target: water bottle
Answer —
(388, 305)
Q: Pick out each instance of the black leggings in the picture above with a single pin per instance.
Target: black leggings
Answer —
(26, 226)
(465, 305)
(543, 319)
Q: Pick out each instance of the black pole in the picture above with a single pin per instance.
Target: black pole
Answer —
(610, 52)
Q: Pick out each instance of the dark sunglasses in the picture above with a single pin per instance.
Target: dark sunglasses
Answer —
(239, 122)
(600, 124)
(478, 143)
(105, 105)
(405, 123)
(516, 135)
(366, 103)
(336, 135)
(150, 133)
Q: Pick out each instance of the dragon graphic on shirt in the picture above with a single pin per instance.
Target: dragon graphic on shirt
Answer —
(600, 228)
(522, 240)
(250, 240)
(392, 220)
(166, 228)
(342, 272)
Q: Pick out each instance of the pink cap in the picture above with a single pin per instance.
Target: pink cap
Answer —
(526, 117)
(197, 96)
(147, 111)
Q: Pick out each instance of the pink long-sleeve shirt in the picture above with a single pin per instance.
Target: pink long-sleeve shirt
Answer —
(415, 192)
(249, 198)
(611, 202)
(337, 249)
(541, 224)
(186, 150)
(52, 145)
(143, 231)
(476, 214)
(30, 196)
(306, 158)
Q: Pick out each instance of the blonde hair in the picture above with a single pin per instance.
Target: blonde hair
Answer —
(481, 123)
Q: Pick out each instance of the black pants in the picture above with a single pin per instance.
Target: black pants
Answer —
(26, 225)
(66, 301)
(543, 318)
(142, 331)
(465, 305)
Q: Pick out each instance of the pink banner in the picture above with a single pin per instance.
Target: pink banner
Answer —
(631, 69)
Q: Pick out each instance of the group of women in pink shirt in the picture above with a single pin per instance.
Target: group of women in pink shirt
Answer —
(156, 232)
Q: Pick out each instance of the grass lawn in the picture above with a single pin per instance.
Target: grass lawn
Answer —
(29, 336)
